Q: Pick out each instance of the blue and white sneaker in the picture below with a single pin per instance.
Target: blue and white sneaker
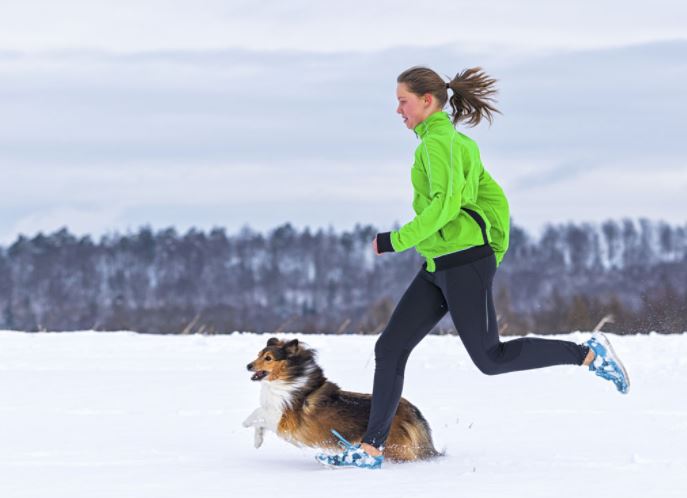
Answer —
(351, 456)
(606, 363)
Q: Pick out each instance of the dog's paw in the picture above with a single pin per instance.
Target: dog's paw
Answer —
(258, 437)
(248, 422)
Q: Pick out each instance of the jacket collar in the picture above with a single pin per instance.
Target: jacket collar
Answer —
(434, 121)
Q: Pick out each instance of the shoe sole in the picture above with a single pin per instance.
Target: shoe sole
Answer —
(345, 467)
(342, 467)
(607, 344)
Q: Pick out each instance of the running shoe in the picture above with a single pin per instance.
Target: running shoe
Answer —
(351, 456)
(606, 363)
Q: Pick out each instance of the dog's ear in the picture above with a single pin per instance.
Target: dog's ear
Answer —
(273, 341)
(291, 347)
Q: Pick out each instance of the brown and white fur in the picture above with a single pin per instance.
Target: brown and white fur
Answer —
(300, 405)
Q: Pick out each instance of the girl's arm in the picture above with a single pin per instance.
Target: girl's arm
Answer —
(445, 185)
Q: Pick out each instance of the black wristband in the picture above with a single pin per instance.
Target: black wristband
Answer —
(384, 242)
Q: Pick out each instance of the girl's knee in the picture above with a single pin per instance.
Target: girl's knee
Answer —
(488, 367)
(486, 362)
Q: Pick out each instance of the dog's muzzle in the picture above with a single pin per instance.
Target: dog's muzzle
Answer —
(259, 375)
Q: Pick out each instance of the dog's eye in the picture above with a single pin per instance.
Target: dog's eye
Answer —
(268, 358)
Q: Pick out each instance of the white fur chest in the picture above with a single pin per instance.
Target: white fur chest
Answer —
(275, 396)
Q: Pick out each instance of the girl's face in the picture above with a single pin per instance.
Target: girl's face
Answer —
(413, 109)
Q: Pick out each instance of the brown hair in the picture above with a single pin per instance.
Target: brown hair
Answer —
(472, 89)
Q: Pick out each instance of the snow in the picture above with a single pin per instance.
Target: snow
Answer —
(94, 415)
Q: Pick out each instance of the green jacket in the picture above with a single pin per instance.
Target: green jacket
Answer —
(447, 175)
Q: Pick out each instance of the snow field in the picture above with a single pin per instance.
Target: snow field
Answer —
(92, 414)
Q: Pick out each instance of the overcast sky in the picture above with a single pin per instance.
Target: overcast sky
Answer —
(182, 113)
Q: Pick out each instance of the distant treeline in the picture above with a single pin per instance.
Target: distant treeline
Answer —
(330, 282)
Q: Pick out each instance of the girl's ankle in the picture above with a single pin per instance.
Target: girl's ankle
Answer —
(591, 355)
(370, 450)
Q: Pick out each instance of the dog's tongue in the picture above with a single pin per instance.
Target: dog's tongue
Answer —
(258, 375)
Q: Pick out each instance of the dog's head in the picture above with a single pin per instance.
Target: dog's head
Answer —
(280, 360)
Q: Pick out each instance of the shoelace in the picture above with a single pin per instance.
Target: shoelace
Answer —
(352, 455)
(609, 371)
(343, 443)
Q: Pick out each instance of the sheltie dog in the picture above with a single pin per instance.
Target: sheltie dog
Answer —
(300, 405)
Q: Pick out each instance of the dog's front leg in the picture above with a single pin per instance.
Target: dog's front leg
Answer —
(256, 419)
(253, 417)
(258, 436)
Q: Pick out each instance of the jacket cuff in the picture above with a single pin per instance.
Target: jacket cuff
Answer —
(384, 242)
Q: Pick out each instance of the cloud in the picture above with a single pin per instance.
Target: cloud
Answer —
(248, 106)
(100, 199)
(356, 25)
(264, 135)
(81, 219)
(556, 174)
(598, 194)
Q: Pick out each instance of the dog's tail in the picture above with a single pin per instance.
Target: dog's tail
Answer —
(421, 437)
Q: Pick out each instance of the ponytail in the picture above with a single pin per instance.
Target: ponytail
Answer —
(472, 90)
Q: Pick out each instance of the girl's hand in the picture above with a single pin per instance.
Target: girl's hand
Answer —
(374, 246)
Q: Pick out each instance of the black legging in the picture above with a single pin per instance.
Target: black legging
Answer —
(465, 291)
